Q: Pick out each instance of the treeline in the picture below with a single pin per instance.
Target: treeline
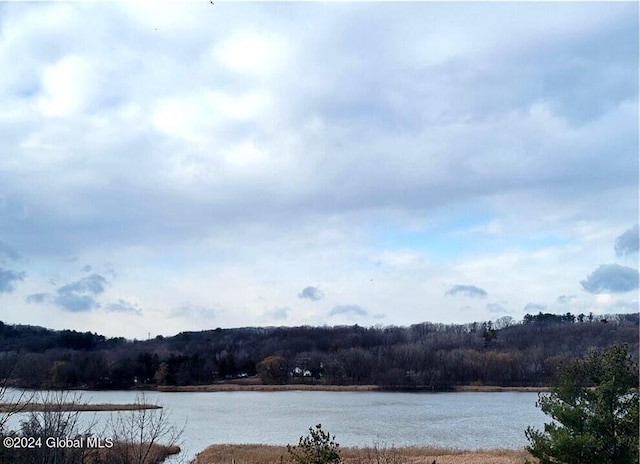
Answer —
(38, 339)
(427, 355)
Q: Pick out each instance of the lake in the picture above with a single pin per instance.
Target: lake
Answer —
(470, 420)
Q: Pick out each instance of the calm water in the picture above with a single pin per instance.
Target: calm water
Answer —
(459, 420)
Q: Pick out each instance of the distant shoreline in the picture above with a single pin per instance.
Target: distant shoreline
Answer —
(495, 388)
(228, 387)
(258, 387)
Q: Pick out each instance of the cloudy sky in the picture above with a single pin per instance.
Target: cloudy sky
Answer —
(190, 166)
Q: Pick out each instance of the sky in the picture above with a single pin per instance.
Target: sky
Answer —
(186, 166)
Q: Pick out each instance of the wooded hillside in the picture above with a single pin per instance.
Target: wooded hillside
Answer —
(427, 355)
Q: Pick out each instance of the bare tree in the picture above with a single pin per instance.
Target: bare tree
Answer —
(504, 322)
(49, 429)
(142, 436)
(64, 435)
(11, 402)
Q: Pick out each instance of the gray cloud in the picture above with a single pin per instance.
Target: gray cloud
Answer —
(287, 155)
(564, 299)
(611, 278)
(6, 253)
(38, 297)
(277, 314)
(351, 310)
(311, 293)
(95, 284)
(8, 278)
(533, 307)
(122, 306)
(496, 308)
(467, 290)
(79, 296)
(627, 243)
(193, 196)
(75, 303)
(189, 310)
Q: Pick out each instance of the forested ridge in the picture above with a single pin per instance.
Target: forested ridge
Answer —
(428, 355)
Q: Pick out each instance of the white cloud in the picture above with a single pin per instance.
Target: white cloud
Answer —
(254, 54)
(229, 156)
(245, 155)
(401, 259)
(66, 87)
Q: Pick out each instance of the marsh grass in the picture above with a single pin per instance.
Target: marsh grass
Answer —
(74, 407)
(128, 453)
(265, 454)
(253, 386)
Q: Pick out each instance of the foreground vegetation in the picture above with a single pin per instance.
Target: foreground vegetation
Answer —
(431, 356)
(263, 454)
(595, 412)
(51, 432)
(120, 453)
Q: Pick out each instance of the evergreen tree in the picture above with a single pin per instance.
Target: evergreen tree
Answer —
(594, 409)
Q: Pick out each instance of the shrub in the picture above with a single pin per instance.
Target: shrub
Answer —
(318, 447)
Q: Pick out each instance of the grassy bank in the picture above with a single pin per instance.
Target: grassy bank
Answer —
(226, 387)
(255, 384)
(263, 454)
(492, 388)
(221, 387)
(69, 407)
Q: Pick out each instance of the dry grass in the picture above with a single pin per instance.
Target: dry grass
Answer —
(68, 407)
(264, 454)
(122, 452)
(259, 387)
(492, 388)
(254, 384)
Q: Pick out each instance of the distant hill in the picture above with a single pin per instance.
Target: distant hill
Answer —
(427, 355)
